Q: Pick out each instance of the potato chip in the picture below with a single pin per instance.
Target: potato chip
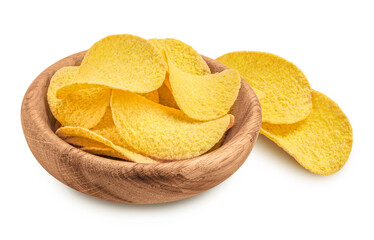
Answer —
(287, 91)
(166, 97)
(204, 97)
(67, 133)
(162, 132)
(82, 142)
(183, 55)
(83, 108)
(322, 142)
(123, 62)
(104, 151)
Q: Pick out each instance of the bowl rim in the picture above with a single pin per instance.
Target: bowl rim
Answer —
(41, 121)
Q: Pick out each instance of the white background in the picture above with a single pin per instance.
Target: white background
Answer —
(270, 196)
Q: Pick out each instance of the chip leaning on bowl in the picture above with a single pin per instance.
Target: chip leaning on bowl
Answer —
(305, 123)
(114, 90)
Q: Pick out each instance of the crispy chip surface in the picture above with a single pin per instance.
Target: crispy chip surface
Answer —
(322, 142)
(204, 97)
(183, 55)
(287, 91)
(166, 97)
(83, 108)
(162, 132)
(67, 133)
(125, 62)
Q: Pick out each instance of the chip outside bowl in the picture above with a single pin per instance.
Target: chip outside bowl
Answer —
(135, 183)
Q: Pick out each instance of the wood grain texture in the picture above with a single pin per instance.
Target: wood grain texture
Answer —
(136, 183)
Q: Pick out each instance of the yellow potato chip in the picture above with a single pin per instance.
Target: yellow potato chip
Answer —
(95, 147)
(162, 132)
(104, 151)
(67, 133)
(287, 91)
(183, 55)
(123, 62)
(166, 97)
(204, 97)
(83, 108)
(322, 142)
(187, 58)
(82, 142)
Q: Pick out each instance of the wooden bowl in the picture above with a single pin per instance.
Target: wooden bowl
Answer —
(128, 182)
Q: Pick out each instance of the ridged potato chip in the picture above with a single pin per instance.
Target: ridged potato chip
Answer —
(166, 97)
(83, 108)
(162, 132)
(183, 55)
(204, 97)
(67, 133)
(125, 62)
(322, 142)
(287, 91)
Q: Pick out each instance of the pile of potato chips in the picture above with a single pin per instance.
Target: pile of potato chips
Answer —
(143, 100)
(156, 100)
(304, 122)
